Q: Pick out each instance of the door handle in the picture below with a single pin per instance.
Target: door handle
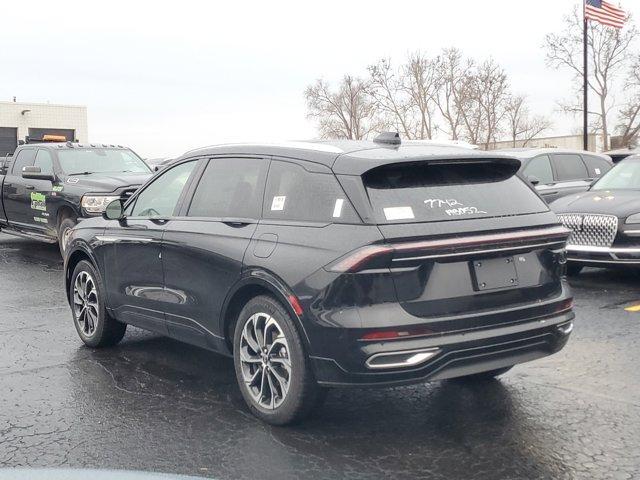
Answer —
(29, 187)
(237, 222)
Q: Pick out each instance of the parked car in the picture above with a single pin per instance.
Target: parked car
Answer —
(330, 264)
(47, 188)
(605, 221)
(556, 173)
(621, 154)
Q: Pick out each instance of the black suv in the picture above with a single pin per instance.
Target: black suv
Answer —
(556, 173)
(330, 264)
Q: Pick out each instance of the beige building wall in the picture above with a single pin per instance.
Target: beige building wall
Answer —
(43, 115)
(571, 142)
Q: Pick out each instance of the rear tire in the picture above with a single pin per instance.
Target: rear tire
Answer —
(574, 270)
(86, 296)
(483, 376)
(272, 368)
(64, 229)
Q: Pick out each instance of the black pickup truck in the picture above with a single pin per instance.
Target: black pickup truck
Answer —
(47, 188)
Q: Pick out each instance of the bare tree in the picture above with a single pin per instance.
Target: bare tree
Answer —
(421, 84)
(484, 92)
(451, 83)
(629, 114)
(348, 112)
(386, 89)
(520, 124)
(608, 56)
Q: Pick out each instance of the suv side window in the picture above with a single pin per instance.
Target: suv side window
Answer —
(294, 193)
(596, 166)
(24, 158)
(160, 198)
(44, 161)
(230, 187)
(539, 167)
(569, 166)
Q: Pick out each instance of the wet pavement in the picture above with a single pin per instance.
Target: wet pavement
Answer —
(154, 404)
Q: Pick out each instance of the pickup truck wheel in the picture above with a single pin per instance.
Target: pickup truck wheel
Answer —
(86, 296)
(64, 230)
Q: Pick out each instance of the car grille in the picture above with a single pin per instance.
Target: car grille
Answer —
(590, 230)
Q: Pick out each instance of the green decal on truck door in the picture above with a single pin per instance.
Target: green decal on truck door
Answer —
(38, 201)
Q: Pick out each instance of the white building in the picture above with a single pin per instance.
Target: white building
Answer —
(34, 120)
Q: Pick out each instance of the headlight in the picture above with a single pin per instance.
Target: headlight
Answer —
(96, 203)
(635, 218)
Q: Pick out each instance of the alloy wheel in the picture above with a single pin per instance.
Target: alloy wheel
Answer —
(85, 303)
(264, 360)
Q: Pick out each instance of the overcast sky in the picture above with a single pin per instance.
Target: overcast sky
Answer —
(164, 80)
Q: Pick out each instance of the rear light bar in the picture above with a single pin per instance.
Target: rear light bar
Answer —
(370, 254)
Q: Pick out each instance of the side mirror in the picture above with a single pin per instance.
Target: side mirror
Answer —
(114, 211)
(533, 180)
(35, 173)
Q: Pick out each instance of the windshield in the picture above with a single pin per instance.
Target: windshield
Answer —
(419, 192)
(100, 160)
(625, 175)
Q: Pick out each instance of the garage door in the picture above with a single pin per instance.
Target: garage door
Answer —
(36, 134)
(8, 140)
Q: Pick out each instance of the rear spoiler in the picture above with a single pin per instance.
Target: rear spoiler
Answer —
(358, 163)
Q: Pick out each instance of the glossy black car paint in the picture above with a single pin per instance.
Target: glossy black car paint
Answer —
(620, 203)
(559, 187)
(189, 277)
(63, 194)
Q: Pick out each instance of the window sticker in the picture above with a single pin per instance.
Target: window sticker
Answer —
(278, 203)
(398, 213)
(337, 208)
(597, 171)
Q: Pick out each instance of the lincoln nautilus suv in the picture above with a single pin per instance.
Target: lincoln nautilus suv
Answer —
(330, 264)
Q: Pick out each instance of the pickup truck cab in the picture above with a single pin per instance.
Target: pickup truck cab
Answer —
(45, 189)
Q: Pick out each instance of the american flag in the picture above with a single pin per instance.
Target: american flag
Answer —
(605, 13)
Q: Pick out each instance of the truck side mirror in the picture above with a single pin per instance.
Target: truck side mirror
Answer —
(114, 211)
(35, 173)
(533, 180)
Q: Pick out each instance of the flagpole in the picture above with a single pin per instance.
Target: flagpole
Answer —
(585, 103)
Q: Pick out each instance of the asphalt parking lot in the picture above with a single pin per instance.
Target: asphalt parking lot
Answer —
(155, 404)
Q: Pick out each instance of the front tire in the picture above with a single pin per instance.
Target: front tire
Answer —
(273, 371)
(64, 230)
(86, 296)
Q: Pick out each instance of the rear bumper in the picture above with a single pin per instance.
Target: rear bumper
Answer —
(458, 354)
(603, 256)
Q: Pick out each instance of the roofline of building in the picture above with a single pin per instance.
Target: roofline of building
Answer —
(38, 104)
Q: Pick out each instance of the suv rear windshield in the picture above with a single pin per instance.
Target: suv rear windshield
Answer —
(100, 160)
(429, 191)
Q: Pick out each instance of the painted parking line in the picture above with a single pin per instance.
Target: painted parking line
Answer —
(633, 308)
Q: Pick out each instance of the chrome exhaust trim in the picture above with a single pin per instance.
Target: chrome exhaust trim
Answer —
(407, 358)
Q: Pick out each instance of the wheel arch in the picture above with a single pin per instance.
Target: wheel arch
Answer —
(65, 210)
(75, 256)
(253, 284)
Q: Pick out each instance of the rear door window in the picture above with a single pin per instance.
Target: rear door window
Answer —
(24, 158)
(295, 194)
(569, 166)
(596, 166)
(429, 192)
(230, 187)
(540, 168)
